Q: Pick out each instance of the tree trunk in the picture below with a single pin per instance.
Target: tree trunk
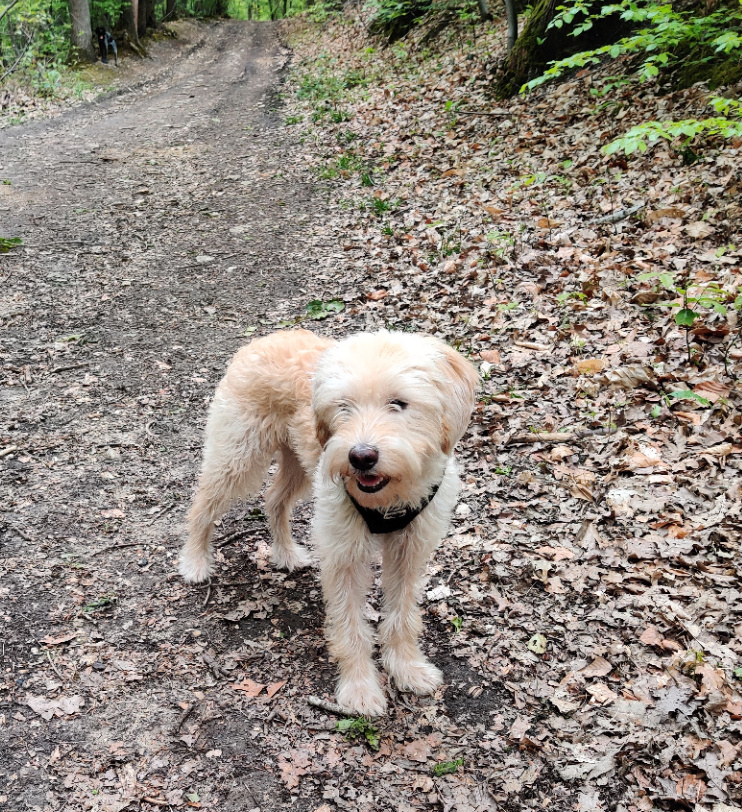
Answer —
(512, 16)
(81, 34)
(141, 17)
(150, 19)
(484, 9)
(127, 22)
(171, 10)
(538, 45)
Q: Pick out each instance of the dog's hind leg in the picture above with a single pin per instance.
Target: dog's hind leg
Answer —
(235, 464)
(288, 486)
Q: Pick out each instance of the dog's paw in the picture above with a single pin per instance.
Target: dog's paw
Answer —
(195, 568)
(291, 558)
(418, 676)
(364, 698)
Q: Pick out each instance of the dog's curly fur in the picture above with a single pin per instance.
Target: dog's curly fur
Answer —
(374, 417)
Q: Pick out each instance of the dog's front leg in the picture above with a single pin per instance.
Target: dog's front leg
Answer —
(405, 556)
(346, 580)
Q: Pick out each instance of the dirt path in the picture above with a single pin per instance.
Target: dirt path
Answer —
(159, 229)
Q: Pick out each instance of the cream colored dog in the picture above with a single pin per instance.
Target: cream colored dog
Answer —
(373, 419)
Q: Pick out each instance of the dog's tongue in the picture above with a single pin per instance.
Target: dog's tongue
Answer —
(369, 480)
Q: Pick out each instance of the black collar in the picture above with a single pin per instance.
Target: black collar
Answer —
(385, 521)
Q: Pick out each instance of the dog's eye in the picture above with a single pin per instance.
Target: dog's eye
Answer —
(399, 405)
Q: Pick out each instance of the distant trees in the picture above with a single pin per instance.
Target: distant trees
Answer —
(81, 33)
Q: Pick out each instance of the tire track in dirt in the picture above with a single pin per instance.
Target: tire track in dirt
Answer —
(159, 227)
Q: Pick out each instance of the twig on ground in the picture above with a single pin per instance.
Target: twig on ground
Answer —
(53, 665)
(183, 716)
(8, 450)
(222, 542)
(68, 368)
(208, 596)
(121, 547)
(479, 113)
(556, 436)
(617, 216)
(330, 707)
(162, 513)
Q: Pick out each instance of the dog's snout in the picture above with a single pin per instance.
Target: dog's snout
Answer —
(363, 457)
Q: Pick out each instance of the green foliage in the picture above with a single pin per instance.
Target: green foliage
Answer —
(662, 34)
(360, 728)
(6, 243)
(662, 31)
(694, 302)
(447, 767)
(394, 18)
(638, 138)
(318, 310)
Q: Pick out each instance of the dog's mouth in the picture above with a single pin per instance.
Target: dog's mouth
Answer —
(371, 483)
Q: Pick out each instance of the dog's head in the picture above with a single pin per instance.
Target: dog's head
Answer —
(389, 408)
(100, 31)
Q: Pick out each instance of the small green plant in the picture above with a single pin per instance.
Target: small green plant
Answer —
(738, 673)
(293, 120)
(104, 602)
(457, 623)
(447, 767)
(360, 728)
(504, 470)
(318, 310)
(6, 243)
(379, 206)
(692, 302)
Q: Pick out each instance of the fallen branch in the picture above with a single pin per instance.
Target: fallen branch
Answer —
(616, 216)
(556, 436)
(68, 368)
(480, 113)
(8, 450)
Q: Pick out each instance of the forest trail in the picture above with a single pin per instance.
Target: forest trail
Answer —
(159, 226)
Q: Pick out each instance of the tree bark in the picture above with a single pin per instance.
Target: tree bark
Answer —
(171, 10)
(512, 16)
(141, 17)
(484, 10)
(538, 44)
(81, 33)
(128, 22)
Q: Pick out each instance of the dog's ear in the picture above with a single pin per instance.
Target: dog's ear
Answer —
(322, 430)
(460, 383)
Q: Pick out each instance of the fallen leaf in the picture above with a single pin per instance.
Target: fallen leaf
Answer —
(249, 687)
(274, 688)
(651, 636)
(599, 667)
(490, 356)
(418, 750)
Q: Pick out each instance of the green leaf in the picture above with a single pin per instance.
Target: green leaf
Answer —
(656, 411)
(685, 317)
(447, 767)
(687, 394)
(6, 243)
(317, 309)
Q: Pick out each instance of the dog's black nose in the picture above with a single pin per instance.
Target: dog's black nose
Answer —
(363, 457)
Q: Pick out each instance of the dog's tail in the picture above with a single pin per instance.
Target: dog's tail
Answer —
(237, 456)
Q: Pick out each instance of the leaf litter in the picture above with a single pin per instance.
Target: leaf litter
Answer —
(585, 607)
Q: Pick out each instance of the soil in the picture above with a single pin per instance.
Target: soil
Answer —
(584, 607)
(162, 225)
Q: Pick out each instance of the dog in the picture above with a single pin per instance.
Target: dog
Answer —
(105, 40)
(371, 421)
